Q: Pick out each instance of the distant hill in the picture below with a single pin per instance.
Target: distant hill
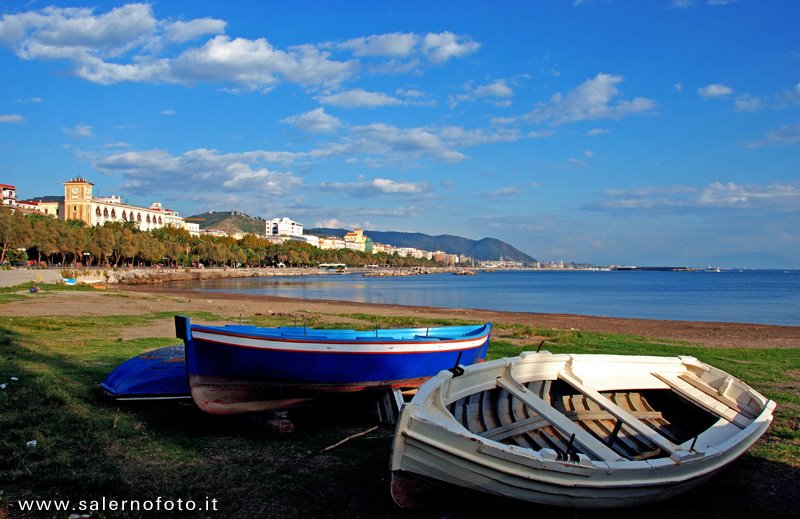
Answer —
(229, 222)
(485, 249)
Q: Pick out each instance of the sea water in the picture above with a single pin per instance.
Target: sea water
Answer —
(749, 296)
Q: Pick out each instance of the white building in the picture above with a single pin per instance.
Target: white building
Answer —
(331, 242)
(307, 238)
(283, 227)
(8, 195)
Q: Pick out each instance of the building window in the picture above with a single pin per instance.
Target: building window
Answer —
(124, 215)
(139, 217)
(97, 211)
(159, 220)
(105, 212)
(114, 214)
(148, 218)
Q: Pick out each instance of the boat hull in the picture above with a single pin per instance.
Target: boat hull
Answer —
(503, 458)
(154, 375)
(239, 369)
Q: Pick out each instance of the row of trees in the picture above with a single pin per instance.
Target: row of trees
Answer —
(47, 241)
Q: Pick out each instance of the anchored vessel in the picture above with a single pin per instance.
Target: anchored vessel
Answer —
(241, 369)
(584, 431)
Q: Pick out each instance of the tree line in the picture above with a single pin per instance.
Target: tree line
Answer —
(37, 239)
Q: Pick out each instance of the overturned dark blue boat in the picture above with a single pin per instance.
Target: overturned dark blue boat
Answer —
(154, 375)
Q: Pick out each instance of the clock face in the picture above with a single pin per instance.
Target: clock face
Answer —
(74, 190)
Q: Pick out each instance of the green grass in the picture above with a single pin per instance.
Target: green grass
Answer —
(91, 447)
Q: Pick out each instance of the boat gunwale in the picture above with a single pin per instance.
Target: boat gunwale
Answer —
(484, 333)
(481, 344)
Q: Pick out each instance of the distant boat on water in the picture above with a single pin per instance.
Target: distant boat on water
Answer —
(333, 267)
(240, 369)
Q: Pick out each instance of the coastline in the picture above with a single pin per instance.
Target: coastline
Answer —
(145, 298)
(153, 276)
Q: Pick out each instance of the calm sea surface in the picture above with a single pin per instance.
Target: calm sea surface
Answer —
(765, 297)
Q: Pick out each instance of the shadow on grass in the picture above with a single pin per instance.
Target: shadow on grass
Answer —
(89, 447)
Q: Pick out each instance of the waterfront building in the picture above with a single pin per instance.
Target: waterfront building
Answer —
(8, 195)
(443, 257)
(283, 227)
(331, 242)
(357, 240)
(382, 247)
(307, 238)
(46, 205)
(81, 204)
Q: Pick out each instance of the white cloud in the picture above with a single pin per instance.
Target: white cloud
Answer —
(590, 100)
(376, 186)
(715, 90)
(314, 121)
(75, 33)
(181, 31)
(198, 171)
(333, 223)
(129, 44)
(359, 98)
(596, 131)
(541, 134)
(168, 112)
(256, 64)
(747, 103)
(717, 195)
(440, 47)
(79, 131)
(496, 90)
(124, 44)
(11, 118)
(386, 45)
(504, 192)
(783, 136)
(678, 87)
(682, 4)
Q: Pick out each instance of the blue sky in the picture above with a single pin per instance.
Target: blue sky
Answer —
(627, 132)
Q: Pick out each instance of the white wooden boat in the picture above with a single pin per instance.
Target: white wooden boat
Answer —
(582, 431)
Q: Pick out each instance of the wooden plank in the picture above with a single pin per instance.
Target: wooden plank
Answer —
(713, 393)
(487, 411)
(621, 414)
(711, 404)
(591, 445)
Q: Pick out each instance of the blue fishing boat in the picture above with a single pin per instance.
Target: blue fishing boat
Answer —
(241, 369)
(154, 375)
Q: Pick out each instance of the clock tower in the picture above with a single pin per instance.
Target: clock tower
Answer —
(78, 200)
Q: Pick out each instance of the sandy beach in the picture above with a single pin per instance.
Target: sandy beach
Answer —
(134, 300)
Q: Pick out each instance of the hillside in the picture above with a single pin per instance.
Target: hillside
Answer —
(229, 222)
(485, 249)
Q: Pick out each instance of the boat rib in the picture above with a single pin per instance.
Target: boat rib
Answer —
(623, 421)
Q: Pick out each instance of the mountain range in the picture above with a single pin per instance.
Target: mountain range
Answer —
(483, 250)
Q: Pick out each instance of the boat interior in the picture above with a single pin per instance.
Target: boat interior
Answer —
(536, 420)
